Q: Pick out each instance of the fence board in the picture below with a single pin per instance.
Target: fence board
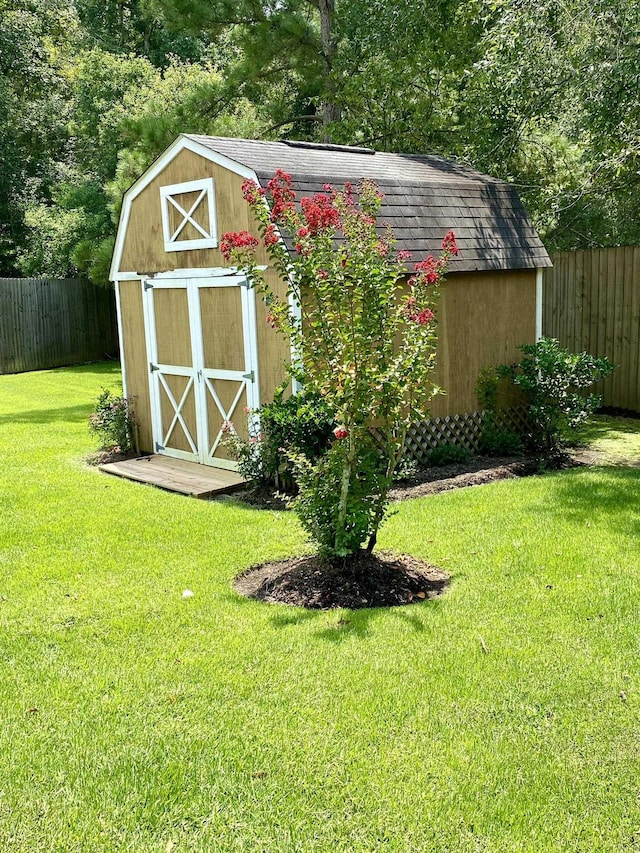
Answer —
(592, 302)
(634, 371)
(53, 322)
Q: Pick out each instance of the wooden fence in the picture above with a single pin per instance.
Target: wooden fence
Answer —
(592, 302)
(52, 322)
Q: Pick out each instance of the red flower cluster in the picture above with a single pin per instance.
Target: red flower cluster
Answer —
(428, 271)
(270, 236)
(449, 243)
(324, 275)
(320, 213)
(236, 240)
(251, 191)
(341, 432)
(273, 320)
(282, 196)
(280, 178)
(403, 255)
(424, 317)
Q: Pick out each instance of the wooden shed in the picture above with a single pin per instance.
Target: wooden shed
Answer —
(195, 346)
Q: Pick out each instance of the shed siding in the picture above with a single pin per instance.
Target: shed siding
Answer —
(273, 352)
(135, 358)
(482, 318)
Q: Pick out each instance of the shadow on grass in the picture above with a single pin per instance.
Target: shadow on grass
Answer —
(603, 426)
(342, 624)
(613, 493)
(336, 626)
(47, 416)
(100, 368)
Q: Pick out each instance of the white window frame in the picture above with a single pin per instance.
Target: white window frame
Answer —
(207, 192)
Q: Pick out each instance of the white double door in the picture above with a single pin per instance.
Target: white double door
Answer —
(203, 364)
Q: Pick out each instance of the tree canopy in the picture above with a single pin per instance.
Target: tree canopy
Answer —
(543, 94)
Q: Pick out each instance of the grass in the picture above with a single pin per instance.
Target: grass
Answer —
(617, 438)
(136, 720)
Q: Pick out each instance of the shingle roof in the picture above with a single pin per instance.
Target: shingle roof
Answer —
(424, 197)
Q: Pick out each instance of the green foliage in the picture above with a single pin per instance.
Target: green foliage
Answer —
(553, 381)
(34, 100)
(125, 112)
(446, 454)
(537, 93)
(406, 469)
(498, 440)
(365, 342)
(494, 392)
(298, 426)
(338, 521)
(52, 238)
(113, 422)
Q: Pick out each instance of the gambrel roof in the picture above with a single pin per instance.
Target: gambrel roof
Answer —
(424, 197)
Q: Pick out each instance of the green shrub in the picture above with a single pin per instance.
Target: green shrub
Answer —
(499, 441)
(446, 454)
(553, 381)
(112, 420)
(318, 503)
(407, 469)
(495, 392)
(298, 426)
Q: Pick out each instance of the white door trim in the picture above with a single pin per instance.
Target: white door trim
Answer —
(247, 378)
(157, 371)
(199, 376)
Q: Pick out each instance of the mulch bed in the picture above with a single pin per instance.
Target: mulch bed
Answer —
(480, 470)
(381, 579)
(103, 457)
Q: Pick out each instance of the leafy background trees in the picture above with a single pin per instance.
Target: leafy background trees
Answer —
(540, 93)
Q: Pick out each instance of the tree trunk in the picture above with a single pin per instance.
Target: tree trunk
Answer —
(347, 473)
(330, 110)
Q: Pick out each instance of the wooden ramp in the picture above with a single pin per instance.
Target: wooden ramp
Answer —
(176, 475)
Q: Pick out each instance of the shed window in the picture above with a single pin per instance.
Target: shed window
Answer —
(189, 216)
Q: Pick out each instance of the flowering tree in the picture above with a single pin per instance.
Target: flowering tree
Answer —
(364, 339)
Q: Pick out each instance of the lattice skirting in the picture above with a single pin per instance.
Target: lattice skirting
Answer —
(464, 430)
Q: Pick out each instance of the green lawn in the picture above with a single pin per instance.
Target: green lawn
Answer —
(135, 720)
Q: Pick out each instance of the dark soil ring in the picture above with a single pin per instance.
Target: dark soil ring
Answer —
(364, 580)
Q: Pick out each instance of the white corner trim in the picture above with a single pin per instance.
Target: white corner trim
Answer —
(296, 311)
(539, 278)
(182, 143)
(123, 366)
